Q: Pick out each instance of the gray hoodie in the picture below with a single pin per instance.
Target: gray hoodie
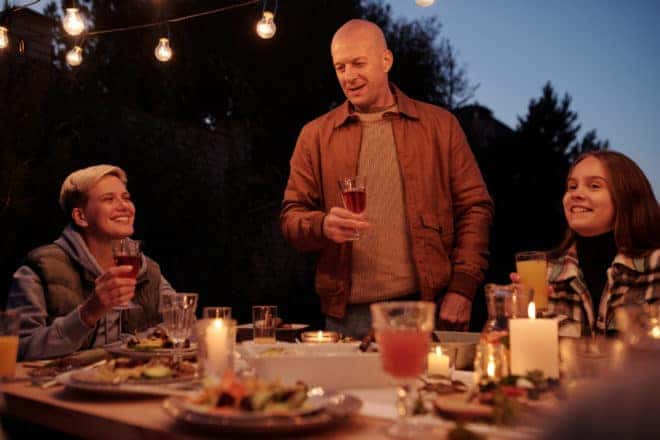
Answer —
(65, 334)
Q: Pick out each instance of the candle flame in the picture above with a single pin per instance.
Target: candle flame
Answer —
(531, 310)
(438, 350)
(490, 369)
(319, 335)
(217, 323)
(655, 332)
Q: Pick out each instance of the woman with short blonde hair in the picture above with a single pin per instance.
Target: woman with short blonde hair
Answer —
(76, 186)
(66, 290)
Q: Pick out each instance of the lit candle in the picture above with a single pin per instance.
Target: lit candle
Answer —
(534, 345)
(320, 337)
(217, 347)
(438, 363)
(490, 368)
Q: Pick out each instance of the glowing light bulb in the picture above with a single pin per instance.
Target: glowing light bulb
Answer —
(424, 3)
(4, 37)
(163, 51)
(74, 56)
(72, 22)
(266, 27)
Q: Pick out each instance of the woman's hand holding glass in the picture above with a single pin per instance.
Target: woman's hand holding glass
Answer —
(516, 280)
(113, 288)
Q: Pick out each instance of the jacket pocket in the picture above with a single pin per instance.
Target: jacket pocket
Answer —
(438, 236)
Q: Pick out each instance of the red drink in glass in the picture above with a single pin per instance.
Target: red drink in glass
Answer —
(129, 260)
(355, 200)
(403, 351)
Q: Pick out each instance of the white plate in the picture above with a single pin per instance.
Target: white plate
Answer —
(119, 348)
(335, 408)
(172, 387)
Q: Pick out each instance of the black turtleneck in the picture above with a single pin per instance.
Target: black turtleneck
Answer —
(595, 255)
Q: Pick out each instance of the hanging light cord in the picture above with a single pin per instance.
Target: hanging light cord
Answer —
(266, 3)
(172, 20)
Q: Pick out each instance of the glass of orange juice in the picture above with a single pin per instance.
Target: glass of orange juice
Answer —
(8, 343)
(533, 270)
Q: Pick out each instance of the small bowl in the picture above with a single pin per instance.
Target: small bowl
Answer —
(465, 344)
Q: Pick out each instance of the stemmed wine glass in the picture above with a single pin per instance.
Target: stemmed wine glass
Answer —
(403, 333)
(178, 318)
(126, 252)
(354, 195)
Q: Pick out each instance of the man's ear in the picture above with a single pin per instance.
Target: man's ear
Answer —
(79, 218)
(388, 60)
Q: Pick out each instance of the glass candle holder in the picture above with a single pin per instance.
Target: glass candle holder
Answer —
(490, 363)
(216, 312)
(441, 361)
(216, 341)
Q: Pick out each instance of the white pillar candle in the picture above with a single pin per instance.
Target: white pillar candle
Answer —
(534, 345)
(438, 363)
(217, 347)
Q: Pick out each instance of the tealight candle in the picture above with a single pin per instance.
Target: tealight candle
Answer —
(319, 337)
(438, 363)
(534, 345)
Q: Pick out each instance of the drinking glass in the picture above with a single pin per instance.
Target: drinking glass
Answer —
(178, 316)
(403, 332)
(126, 252)
(216, 312)
(354, 195)
(9, 323)
(264, 324)
(533, 270)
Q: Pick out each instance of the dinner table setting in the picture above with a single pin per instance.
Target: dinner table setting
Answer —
(195, 377)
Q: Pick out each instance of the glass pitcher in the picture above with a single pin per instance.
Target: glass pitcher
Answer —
(503, 302)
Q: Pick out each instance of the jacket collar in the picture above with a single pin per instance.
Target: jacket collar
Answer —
(344, 113)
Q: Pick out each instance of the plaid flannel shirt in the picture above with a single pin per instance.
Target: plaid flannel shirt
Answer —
(629, 281)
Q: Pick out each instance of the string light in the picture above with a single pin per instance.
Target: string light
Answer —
(74, 56)
(72, 22)
(266, 26)
(163, 51)
(4, 37)
(424, 3)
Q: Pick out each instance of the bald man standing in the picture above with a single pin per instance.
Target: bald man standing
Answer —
(424, 233)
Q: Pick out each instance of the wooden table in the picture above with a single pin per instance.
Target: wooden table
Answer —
(103, 417)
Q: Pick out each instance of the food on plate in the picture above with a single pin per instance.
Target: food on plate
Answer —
(157, 339)
(506, 402)
(68, 363)
(252, 394)
(127, 370)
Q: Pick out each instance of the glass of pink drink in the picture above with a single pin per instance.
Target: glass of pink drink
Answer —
(126, 252)
(354, 195)
(403, 333)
